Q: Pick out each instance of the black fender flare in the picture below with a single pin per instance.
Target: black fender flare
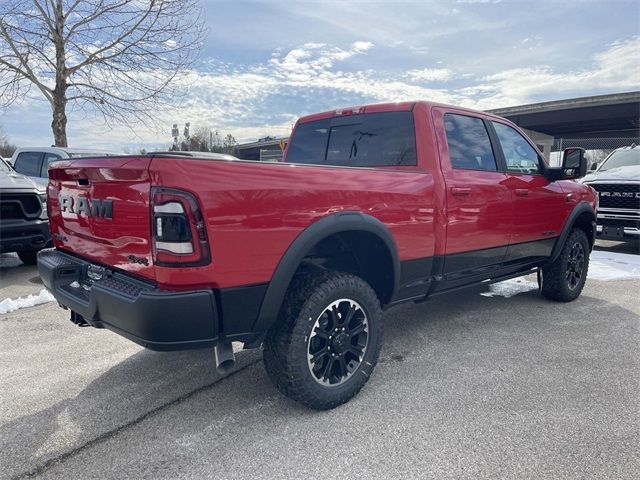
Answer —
(303, 243)
(579, 209)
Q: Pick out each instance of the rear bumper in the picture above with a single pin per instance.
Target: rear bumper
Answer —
(156, 319)
(22, 235)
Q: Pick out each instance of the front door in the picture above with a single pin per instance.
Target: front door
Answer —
(540, 206)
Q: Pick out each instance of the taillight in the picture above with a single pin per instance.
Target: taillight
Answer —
(179, 231)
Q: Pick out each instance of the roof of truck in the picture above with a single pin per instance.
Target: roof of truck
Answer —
(384, 107)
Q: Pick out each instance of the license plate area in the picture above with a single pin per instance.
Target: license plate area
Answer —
(612, 232)
(77, 280)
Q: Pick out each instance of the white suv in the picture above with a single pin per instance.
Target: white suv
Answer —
(33, 162)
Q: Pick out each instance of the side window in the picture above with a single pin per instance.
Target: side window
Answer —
(28, 163)
(48, 158)
(469, 144)
(519, 155)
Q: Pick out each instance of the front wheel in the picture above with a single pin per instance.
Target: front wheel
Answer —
(564, 279)
(326, 342)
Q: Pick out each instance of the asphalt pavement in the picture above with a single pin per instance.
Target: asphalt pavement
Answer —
(467, 387)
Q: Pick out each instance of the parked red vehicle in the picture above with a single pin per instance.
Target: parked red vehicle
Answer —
(372, 206)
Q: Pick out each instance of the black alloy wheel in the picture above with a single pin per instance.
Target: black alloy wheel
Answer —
(575, 266)
(325, 344)
(563, 279)
(338, 342)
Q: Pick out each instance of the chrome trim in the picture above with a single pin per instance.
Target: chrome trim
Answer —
(618, 217)
(617, 182)
(624, 210)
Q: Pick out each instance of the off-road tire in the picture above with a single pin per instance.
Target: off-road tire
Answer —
(287, 345)
(554, 278)
(28, 257)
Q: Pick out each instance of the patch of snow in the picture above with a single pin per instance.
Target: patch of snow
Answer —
(509, 288)
(603, 265)
(9, 260)
(609, 266)
(10, 304)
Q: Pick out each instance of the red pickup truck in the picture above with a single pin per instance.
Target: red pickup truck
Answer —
(372, 206)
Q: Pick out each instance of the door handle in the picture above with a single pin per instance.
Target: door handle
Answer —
(521, 192)
(460, 191)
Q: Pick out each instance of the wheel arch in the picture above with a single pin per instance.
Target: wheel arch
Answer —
(346, 225)
(582, 216)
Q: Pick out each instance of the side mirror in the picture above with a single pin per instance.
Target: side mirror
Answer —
(574, 165)
(593, 167)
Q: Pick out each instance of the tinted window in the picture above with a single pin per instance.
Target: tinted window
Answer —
(519, 155)
(369, 140)
(309, 142)
(28, 163)
(469, 144)
(48, 158)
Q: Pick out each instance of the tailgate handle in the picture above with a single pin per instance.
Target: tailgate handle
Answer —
(83, 182)
(522, 192)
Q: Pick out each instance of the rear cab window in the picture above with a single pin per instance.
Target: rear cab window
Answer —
(29, 163)
(366, 140)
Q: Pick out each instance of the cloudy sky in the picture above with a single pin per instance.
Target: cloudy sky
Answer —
(265, 63)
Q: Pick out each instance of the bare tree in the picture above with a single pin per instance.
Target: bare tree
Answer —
(119, 59)
(6, 147)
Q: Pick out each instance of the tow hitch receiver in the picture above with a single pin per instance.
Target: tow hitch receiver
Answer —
(79, 320)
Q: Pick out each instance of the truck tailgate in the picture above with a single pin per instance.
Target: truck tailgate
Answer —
(99, 209)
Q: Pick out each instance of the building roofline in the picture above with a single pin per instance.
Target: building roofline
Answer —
(580, 102)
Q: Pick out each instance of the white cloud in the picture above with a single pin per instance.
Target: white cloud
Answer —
(617, 68)
(430, 75)
(265, 98)
(313, 59)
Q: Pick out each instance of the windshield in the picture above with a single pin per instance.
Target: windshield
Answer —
(621, 158)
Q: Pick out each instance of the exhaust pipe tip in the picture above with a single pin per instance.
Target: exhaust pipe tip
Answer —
(225, 358)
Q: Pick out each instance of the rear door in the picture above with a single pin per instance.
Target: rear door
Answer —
(100, 210)
(479, 211)
(540, 206)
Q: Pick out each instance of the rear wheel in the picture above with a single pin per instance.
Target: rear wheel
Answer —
(327, 340)
(564, 279)
(28, 257)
